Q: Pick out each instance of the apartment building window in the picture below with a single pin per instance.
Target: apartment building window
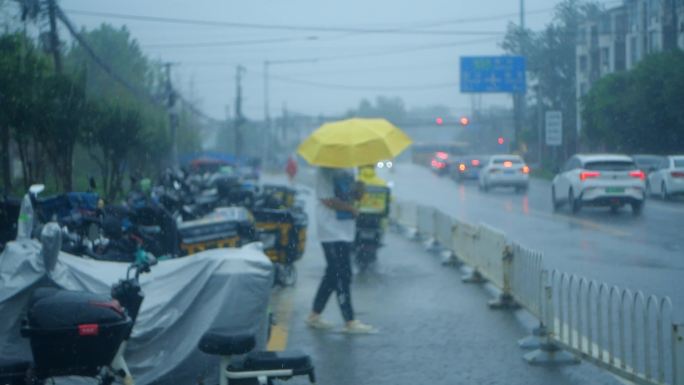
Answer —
(581, 36)
(583, 64)
(653, 43)
(633, 50)
(583, 89)
(605, 59)
(605, 28)
(654, 11)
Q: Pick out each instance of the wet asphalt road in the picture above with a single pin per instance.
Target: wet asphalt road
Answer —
(433, 329)
(643, 253)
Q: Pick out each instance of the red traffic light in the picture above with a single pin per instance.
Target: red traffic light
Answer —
(500, 140)
(439, 121)
(464, 121)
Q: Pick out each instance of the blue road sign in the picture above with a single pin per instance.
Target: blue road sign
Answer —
(493, 74)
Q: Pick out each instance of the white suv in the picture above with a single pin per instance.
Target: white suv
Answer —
(668, 178)
(599, 180)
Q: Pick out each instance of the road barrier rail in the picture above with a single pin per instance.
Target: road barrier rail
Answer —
(627, 332)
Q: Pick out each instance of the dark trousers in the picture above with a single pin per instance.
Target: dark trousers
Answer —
(337, 278)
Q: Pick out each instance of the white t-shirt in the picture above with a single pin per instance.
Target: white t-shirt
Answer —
(330, 229)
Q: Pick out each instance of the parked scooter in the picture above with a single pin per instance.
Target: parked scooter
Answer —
(371, 221)
(76, 333)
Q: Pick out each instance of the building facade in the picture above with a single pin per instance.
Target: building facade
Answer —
(619, 38)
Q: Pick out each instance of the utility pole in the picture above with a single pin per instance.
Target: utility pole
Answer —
(285, 123)
(519, 98)
(239, 118)
(171, 99)
(54, 36)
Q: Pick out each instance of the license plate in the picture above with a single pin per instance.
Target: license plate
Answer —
(368, 235)
(615, 190)
(509, 172)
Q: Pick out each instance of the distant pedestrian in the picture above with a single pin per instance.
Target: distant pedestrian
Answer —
(336, 191)
(291, 168)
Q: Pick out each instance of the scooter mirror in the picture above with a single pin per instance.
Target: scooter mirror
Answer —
(36, 189)
(51, 242)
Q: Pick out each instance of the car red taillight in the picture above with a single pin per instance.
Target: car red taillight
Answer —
(677, 174)
(584, 175)
(88, 329)
(637, 174)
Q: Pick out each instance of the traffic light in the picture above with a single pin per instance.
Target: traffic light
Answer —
(500, 140)
(464, 121)
(439, 121)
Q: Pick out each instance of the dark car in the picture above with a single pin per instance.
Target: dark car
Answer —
(467, 167)
(440, 163)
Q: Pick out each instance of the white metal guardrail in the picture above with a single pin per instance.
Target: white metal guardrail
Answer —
(444, 227)
(527, 283)
(426, 222)
(628, 333)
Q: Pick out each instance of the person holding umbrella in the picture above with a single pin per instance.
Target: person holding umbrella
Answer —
(337, 148)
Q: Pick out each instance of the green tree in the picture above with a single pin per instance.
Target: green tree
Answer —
(390, 108)
(23, 69)
(640, 110)
(61, 124)
(551, 61)
(116, 131)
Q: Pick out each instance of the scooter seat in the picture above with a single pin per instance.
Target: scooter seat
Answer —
(223, 344)
(298, 362)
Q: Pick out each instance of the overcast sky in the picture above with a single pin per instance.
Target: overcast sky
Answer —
(340, 66)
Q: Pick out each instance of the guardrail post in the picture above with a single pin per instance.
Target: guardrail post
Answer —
(394, 217)
(678, 354)
(535, 340)
(505, 300)
(473, 276)
(549, 353)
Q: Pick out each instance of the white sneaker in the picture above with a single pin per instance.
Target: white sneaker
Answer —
(318, 323)
(358, 327)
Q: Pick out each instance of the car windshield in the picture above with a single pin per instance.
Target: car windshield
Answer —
(679, 163)
(615, 165)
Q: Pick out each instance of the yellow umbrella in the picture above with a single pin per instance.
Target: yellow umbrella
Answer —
(353, 142)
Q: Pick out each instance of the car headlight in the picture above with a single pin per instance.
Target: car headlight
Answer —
(389, 164)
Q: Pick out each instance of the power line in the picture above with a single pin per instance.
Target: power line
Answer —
(229, 43)
(142, 94)
(280, 27)
(394, 51)
(416, 87)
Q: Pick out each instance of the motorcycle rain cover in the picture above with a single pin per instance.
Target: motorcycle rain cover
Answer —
(227, 289)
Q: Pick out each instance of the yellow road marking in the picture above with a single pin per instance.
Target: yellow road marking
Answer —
(282, 311)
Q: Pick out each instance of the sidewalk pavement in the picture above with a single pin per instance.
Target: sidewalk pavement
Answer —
(432, 327)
